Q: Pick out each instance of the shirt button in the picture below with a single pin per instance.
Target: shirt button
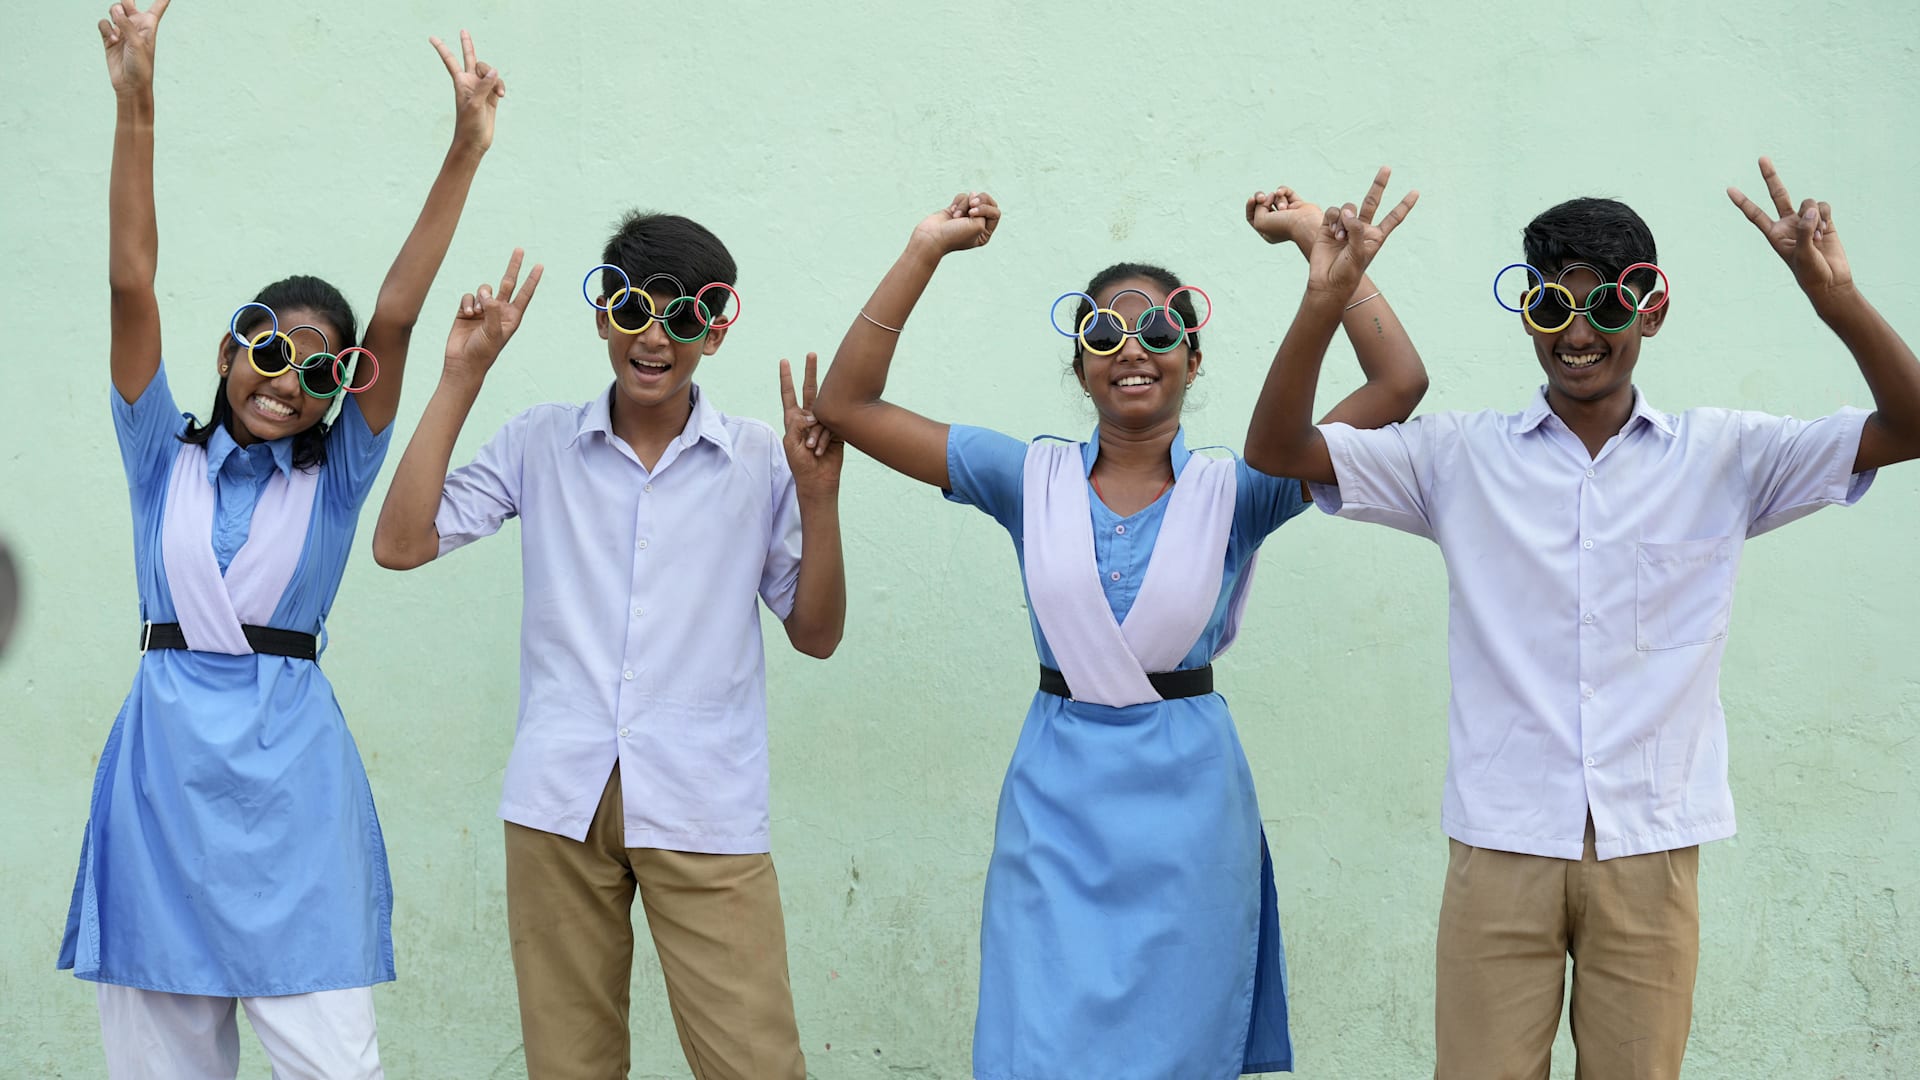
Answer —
(1589, 476)
(627, 675)
(1586, 691)
(623, 731)
(1587, 618)
(1588, 544)
(1116, 575)
(643, 545)
(1121, 529)
(623, 734)
(649, 487)
(637, 612)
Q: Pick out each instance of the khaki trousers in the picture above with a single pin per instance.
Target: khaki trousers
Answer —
(1508, 923)
(716, 924)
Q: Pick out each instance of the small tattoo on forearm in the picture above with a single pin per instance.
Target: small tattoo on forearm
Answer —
(1378, 330)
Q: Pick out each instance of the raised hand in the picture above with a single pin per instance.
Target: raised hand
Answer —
(487, 320)
(966, 222)
(1349, 239)
(1282, 215)
(813, 453)
(477, 90)
(128, 34)
(1805, 238)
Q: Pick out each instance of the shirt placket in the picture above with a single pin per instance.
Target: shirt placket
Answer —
(640, 601)
(1589, 650)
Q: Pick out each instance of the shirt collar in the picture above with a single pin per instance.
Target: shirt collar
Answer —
(1537, 412)
(1090, 451)
(220, 447)
(705, 423)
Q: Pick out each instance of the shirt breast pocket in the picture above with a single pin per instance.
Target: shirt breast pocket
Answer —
(1684, 592)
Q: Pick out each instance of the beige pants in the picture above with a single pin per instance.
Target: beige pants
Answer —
(716, 924)
(1509, 922)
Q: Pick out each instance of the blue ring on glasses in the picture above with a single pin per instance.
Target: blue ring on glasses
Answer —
(1540, 293)
(1053, 313)
(625, 285)
(233, 324)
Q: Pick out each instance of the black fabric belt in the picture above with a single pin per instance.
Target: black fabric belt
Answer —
(1193, 682)
(263, 639)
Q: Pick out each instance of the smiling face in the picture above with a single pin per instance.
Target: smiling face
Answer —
(273, 407)
(1583, 363)
(1135, 387)
(652, 368)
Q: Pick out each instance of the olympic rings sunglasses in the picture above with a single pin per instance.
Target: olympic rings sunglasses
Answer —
(1102, 331)
(1611, 307)
(323, 374)
(685, 318)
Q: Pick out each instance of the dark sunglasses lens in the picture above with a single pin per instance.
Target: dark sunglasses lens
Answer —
(1610, 308)
(1159, 332)
(1102, 336)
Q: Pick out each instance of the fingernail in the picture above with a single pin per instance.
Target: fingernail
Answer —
(1812, 213)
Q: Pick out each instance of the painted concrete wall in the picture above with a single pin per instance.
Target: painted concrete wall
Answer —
(811, 137)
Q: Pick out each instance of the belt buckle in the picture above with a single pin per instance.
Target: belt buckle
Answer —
(146, 635)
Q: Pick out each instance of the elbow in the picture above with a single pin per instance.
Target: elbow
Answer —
(1407, 391)
(394, 555)
(830, 411)
(818, 642)
(1277, 457)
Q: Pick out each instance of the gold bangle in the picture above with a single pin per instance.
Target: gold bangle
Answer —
(878, 323)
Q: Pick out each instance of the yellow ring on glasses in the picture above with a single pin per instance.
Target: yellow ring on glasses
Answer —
(1117, 321)
(262, 338)
(619, 297)
(1527, 304)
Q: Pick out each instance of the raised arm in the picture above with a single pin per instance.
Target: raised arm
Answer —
(850, 403)
(477, 90)
(1395, 378)
(1282, 440)
(1807, 239)
(406, 536)
(133, 235)
(819, 614)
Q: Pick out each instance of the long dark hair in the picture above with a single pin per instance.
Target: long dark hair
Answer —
(1166, 279)
(300, 292)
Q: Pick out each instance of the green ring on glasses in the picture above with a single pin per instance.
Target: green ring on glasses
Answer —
(312, 363)
(1626, 294)
(700, 308)
(1139, 328)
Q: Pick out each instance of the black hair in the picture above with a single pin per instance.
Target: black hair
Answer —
(300, 292)
(645, 244)
(1604, 232)
(1166, 279)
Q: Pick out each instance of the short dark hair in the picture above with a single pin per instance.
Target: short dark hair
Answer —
(1166, 279)
(299, 292)
(1604, 232)
(645, 244)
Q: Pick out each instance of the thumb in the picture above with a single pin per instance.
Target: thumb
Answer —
(491, 313)
(1804, 228)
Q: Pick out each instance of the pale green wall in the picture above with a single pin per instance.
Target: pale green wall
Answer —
(811, 138)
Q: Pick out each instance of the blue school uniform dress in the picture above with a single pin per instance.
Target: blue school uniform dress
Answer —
(1130, 928)
(231, 847)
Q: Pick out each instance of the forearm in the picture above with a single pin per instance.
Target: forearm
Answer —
(132, 229)
(1886, 361)
(819, 615)
(404, 291)
(406, 536)
(1396, 380)
(1281, 438)
(858, 377)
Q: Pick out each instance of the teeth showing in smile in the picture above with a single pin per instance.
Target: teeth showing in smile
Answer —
(1583, 360)
(651, 365)
(269, 406)
(1134, 380)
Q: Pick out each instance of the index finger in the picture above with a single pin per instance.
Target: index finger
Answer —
(446, 56)
(811, 386)
(158, 9)
(1371, 204)
(1754, 214)
(1776, 187)
(466, 49)
(786, 385)
(1398, 214)
(513, 271)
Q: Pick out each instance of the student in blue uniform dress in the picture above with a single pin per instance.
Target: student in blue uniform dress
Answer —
(231, 851)
(1130, 928)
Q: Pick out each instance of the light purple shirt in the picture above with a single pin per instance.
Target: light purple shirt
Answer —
(640, 628)
(1589, 603)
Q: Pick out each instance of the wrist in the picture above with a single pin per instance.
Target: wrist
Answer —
(1836, 303)
(818, 494)
(461, 379)
(466, 150)
(135, 99)
(923, 251)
